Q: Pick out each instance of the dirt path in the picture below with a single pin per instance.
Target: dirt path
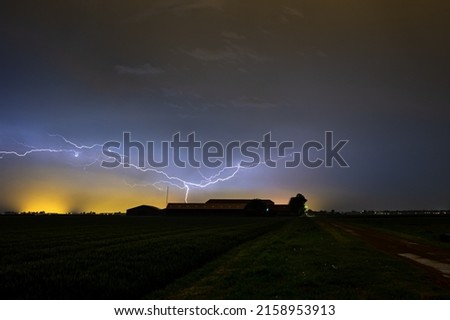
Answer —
(435, 259)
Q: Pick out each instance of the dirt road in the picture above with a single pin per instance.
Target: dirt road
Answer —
(435, 259)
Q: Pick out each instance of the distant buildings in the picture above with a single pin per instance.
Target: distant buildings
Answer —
(219, 204)
(222, 207)
(219, 207)
(144, 210)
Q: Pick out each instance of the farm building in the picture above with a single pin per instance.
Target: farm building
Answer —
(221, 207)
(225, 207)
(143, 210)
(218, 204)
(235, 203)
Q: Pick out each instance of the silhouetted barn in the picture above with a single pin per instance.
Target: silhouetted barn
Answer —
(144, 210)
(225, 207)
(221, 207)
(198, 209)
(282, 209)
(240, 204)
(186, 206)
(258, 207)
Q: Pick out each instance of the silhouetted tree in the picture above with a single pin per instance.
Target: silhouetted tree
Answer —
(297, 204)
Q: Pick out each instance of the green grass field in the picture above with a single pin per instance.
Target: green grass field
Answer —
(111, 257)
(89, 257)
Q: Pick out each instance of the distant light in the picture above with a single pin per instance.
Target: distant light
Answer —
(77, 154)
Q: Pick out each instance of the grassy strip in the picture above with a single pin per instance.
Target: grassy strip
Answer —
(305, 260)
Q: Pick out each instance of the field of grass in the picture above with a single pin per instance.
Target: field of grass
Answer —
(110, 257)
(93, 257)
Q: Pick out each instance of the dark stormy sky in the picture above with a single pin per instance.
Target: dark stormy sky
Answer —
(374, 72)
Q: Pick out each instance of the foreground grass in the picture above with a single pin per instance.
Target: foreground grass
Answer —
(306, 259)
(111, 257)
(204, 258)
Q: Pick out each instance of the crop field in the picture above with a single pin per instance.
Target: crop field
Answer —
(110, 257)
(114, 257)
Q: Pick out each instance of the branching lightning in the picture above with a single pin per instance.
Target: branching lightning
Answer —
(77, 150)
(185, 184)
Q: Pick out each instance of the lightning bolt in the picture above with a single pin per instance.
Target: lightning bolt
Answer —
(77, 149)
(185, 184)
(36, 150)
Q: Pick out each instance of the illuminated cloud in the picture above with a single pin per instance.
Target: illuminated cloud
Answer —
(232, 53)
(214, 55)
(292, 12)
(253, 103)
(177, 7)
(198, 4)
(145, 69)
(186, 6)
(233, 36)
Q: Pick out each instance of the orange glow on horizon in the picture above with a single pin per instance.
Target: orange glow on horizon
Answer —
(63, 191)
(38, 203)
